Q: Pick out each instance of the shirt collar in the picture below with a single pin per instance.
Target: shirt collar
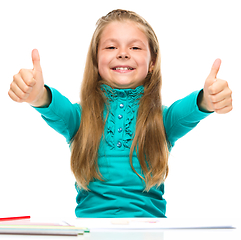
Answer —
(114, 93)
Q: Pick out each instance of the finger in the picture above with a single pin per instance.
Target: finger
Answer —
(17, 79)
(27, 77)
(218, 86)
(13, 96)
(20, 96)
(222, 104)
(224, 110)
(36, 60)
(215, 68)
(226, 93)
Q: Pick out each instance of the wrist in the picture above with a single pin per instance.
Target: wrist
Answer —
(44, 99)
(202, 104)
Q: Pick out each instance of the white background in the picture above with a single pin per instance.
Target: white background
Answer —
(35, 177)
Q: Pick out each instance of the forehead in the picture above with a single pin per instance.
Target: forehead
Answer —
(123, 31)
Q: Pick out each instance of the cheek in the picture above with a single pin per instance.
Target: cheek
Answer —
(145, 67)
(144, 61)
(102, 65)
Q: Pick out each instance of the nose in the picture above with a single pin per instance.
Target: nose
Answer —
(123, 55)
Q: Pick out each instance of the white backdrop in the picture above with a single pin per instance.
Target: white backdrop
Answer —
(35, 177)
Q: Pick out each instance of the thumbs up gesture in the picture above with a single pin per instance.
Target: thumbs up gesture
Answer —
(217, 95)
(28, 84)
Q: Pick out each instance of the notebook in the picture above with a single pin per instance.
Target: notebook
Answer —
(33, 227)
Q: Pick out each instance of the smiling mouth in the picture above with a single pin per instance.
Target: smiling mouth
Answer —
(123, 68)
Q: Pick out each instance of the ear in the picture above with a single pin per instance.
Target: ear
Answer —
(152, 65)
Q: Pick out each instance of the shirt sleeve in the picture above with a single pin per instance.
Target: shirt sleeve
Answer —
(61, 114)
(181, 117)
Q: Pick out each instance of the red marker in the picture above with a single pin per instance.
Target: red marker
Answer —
(14, 218)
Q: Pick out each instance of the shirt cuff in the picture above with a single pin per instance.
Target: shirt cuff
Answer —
(202, 113)
(199, 98)
(49, 110)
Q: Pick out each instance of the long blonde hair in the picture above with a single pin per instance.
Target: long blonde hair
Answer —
(150, 137)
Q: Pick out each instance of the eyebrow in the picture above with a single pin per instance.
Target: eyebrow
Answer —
(116, 40)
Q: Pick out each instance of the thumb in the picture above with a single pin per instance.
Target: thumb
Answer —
(214, 71)
(36, 60)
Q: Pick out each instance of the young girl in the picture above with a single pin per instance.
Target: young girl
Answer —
(120, 135)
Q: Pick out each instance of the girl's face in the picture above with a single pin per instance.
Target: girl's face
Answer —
(124, 56)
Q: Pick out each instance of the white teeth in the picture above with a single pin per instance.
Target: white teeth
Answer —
(123, 68)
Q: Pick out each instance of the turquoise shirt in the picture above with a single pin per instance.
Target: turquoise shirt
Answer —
(122, 193)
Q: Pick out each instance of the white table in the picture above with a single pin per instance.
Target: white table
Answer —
(106, 229)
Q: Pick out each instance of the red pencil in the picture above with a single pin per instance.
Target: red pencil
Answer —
(14, 218)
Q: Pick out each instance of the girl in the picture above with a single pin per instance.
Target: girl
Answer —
(120, 135)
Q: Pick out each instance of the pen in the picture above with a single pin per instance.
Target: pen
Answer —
(14, 218)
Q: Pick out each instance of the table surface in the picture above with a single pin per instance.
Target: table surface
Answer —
(178, 229)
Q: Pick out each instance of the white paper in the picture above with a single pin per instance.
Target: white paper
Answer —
(153, 223)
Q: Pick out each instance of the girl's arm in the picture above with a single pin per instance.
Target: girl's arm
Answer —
(28, 86)
(61, 114)
(183, 115)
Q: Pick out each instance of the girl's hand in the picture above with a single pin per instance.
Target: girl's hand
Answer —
(217, 95)
(28, 84)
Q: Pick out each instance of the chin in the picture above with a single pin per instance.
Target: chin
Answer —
(125, 84)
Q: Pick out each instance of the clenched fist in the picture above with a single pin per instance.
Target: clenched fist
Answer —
(28, 84)
(217, 96)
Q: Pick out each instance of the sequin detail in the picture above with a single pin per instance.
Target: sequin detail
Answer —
(130, 98)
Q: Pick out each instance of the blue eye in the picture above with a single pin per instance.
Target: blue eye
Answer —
(135, 48)
(111, 48)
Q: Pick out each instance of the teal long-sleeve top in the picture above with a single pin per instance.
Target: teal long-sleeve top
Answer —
(121, 194)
